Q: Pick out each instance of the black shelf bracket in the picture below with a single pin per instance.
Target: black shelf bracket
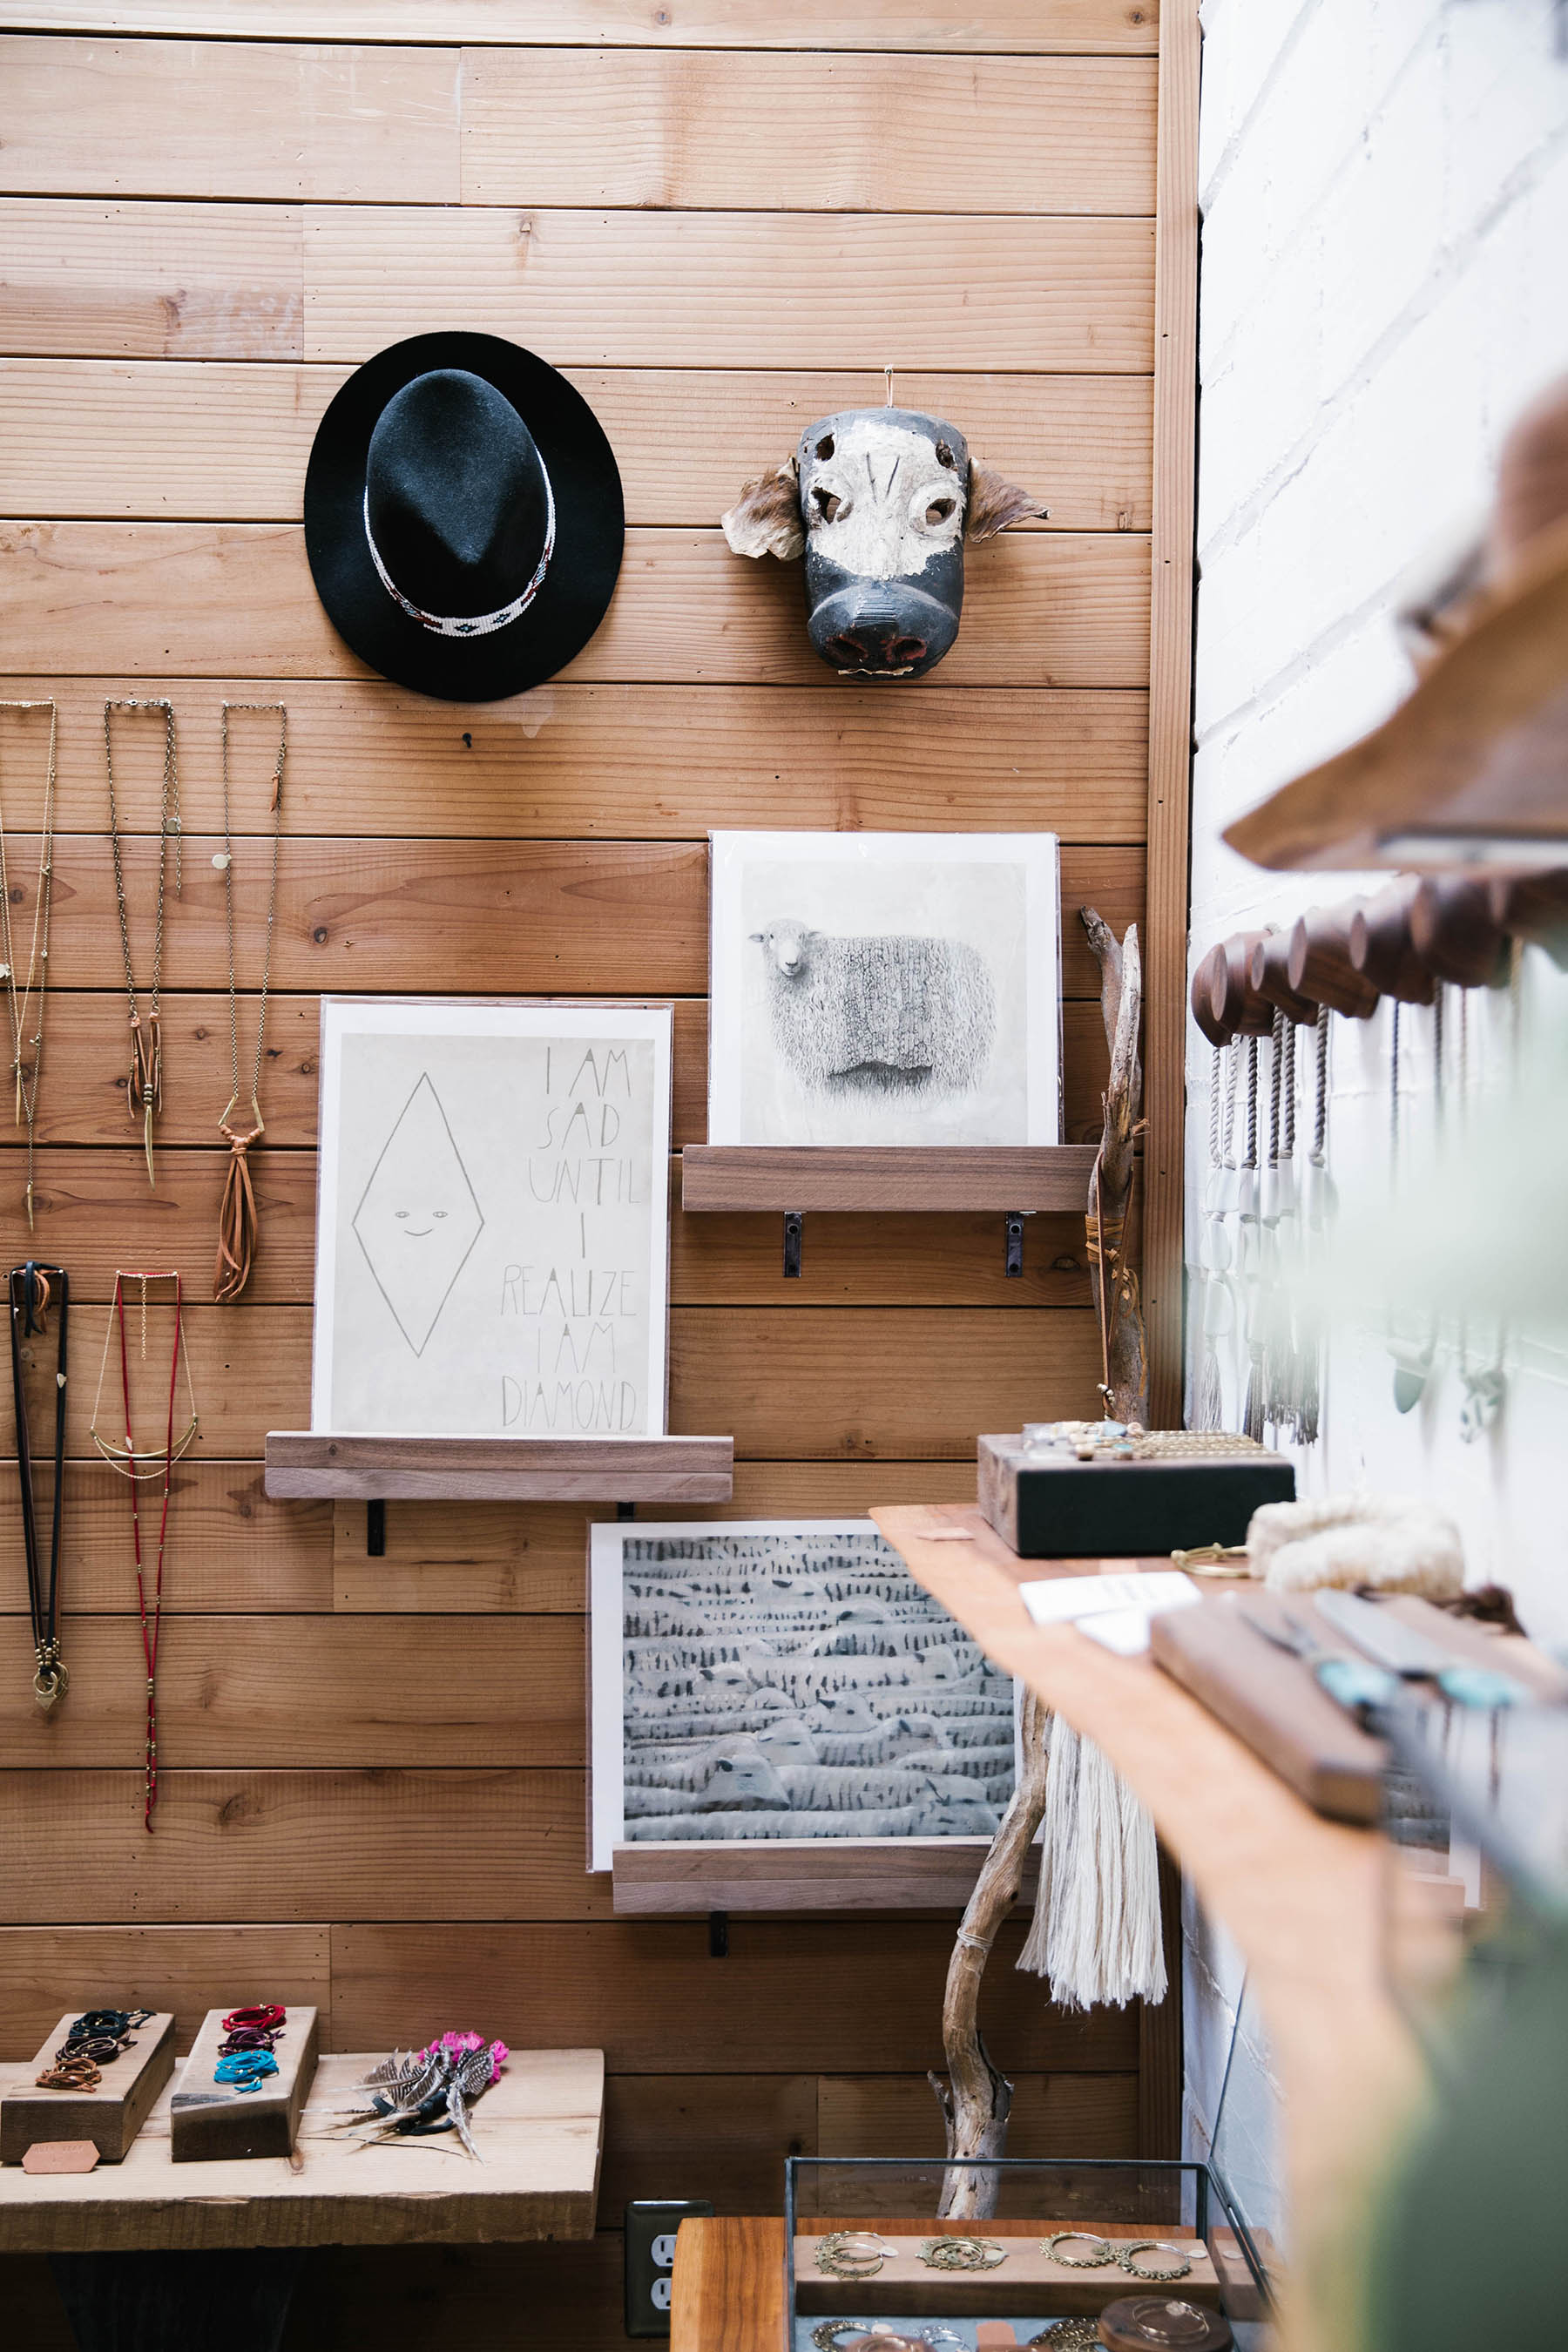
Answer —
(1013, 1230)
(793, 1223)
(375, 1530)
(718, 1934)
(626, 1510)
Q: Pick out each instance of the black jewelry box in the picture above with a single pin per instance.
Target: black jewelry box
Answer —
(1049, 1505)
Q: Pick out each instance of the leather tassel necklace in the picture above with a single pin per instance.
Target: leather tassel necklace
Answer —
(237, 1221)
(32, 1290)
(144, 1465)
(28, 1043)
(144, 1092)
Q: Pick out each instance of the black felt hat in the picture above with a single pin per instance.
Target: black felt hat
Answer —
(463, 516)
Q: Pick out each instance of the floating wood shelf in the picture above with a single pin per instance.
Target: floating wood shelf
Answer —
(538, 2131)
(678, 1876)
(956, 1180)
(310, 1463)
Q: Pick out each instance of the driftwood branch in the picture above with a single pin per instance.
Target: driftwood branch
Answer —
(976, 2097)
(1112, 1255)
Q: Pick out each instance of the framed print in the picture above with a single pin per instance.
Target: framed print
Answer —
(492, 1218)
(760, 1678)
(885, 988)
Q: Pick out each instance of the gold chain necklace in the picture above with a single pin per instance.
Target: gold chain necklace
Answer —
(145, 1090)
(20, 1000)
(238, 1219)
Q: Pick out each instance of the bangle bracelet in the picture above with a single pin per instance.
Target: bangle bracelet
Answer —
(1128, 2251)
(963, 2254)
(1069, 2336)
(827, 2334)
(852, 2254)
(1101, 2250)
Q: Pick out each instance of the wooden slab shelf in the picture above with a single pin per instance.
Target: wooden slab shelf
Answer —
(210, 2120)
(795, 1874)
(538, 2131)
(309, 1463)
(109, 2116)
(944, 1181)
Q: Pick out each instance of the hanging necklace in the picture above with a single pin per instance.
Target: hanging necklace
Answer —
(137, 1466)
(237, 1223)
(145, 1091)
(20, 999)
(32, 1290)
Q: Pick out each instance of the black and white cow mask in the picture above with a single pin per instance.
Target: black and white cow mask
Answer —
(881, 502)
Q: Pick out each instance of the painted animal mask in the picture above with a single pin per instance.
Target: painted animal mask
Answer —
(880, 501)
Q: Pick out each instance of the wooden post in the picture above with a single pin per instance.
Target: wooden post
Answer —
(976, 2098)
(1111, 1257)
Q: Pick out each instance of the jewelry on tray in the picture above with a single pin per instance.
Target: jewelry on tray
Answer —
(1127, 2254)
(963, 2254)
(1069, 2336)
(825, 2335)
(852, 2254)
(1101, 2249)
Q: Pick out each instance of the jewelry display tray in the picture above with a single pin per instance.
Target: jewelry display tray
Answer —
(1185, 2205)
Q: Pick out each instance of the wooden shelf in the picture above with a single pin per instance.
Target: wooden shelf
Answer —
(943, 1180)
(1299, 1894)
(678, 1876)
(310, 1463)
(538, 2130)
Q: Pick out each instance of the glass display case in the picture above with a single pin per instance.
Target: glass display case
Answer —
(1477, 1875)
(1158, 2250)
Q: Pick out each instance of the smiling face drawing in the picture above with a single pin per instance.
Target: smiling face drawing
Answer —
(418, 1219)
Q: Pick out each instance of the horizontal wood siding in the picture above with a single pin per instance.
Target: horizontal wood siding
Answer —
(722, 223)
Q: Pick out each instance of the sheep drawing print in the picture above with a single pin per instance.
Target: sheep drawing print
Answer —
(884, 989)
(765, 1679)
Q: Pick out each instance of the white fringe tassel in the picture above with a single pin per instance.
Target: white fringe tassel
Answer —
(1096, 1929)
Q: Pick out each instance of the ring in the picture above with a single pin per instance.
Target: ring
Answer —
(962, 2253)
(827, 2334)
(1104, 2251)
(852, 2254)
(1130, 2248)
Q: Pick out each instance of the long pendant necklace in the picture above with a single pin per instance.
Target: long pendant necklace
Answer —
(238, 1221)
(32, 1291)
(145, 1091)
(27, 1049)
(144, 1466)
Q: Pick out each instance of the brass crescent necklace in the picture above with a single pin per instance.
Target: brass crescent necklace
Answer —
(145, 1090)
(140, 1466)
(238, 1219)
(19, 998)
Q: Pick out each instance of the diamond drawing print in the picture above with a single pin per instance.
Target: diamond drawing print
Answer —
(418, 1218)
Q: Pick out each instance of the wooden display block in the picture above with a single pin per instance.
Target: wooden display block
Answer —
(1028, 2281)
(313, 1462)
(953, 1179)
(109, 2116)
(212, 2120)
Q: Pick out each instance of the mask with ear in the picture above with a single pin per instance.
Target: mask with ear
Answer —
(880, 501)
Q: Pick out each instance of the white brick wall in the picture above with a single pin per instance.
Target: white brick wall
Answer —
(1384, 186)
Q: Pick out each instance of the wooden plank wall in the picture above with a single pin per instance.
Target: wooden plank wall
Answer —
(720, 222)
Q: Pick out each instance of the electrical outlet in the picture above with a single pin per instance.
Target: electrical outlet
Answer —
(651, 2225)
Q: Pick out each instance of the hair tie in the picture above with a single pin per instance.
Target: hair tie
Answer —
(266, 2017)
(248, 2068)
